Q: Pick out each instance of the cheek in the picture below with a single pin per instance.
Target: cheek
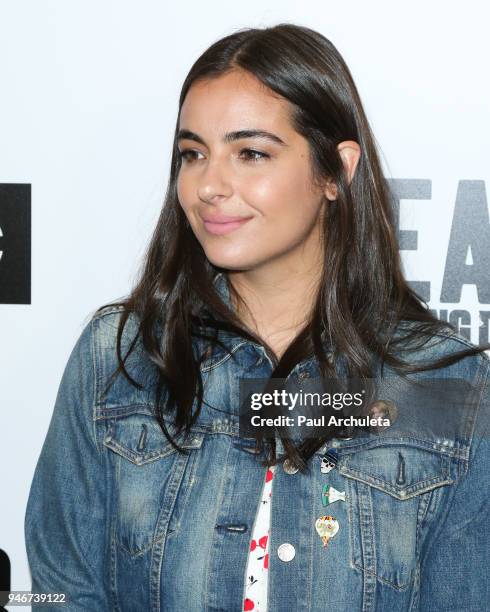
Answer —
(285, 211)
(284, 201)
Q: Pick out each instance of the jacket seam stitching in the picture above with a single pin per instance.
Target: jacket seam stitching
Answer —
(94, 387)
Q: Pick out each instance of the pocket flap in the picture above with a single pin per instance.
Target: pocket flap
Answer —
(140, 439)
(399, 469)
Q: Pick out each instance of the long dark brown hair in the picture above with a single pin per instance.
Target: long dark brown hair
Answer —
(362, 297)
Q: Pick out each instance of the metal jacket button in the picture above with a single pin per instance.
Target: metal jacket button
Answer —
(303, 375)
(289, 467)
(286, 552)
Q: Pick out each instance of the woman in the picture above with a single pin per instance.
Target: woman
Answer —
(274, 257)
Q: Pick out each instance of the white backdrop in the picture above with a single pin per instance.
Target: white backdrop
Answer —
(88, 105)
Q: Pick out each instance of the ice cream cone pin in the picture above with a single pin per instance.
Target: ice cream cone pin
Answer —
(331, 495)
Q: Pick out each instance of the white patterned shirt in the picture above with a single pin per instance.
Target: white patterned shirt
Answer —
(258, 556)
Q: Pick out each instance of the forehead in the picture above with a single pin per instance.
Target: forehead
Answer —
(232, 101)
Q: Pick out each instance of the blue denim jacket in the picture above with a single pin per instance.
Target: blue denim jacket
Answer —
(119, 520)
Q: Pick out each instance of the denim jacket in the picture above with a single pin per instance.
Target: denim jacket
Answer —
(120, 521)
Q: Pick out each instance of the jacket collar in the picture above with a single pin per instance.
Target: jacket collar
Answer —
(233, 341)
(220, 283)
(229, 339)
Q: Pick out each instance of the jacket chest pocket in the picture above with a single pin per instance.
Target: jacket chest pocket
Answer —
(151, 479)
(392, 490)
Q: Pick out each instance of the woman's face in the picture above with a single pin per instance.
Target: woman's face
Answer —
(263, 180)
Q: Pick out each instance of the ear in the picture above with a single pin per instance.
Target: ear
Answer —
(350, 153)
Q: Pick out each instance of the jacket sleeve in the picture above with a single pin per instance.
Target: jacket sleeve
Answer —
(66, 514)
(454, 575)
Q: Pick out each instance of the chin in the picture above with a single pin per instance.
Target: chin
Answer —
(230, 260)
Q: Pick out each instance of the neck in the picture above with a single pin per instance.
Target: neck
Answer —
(279, 297)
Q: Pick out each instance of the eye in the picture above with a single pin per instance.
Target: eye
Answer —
(251, 153)
(187, 154)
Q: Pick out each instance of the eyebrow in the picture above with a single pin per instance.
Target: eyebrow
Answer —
(233, 136)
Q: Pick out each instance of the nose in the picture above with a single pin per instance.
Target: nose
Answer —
(213, 184)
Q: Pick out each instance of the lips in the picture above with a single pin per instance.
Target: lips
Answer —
(223, 218)
(222, 224)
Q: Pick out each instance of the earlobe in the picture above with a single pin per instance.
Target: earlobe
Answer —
(331, 191)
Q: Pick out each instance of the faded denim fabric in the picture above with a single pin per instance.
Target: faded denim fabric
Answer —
(119, 521)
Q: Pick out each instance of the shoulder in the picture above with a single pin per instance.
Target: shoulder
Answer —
(109, 315)
(445, 357)
(473, 370)
(112, 388)
(105, 324)
(458, 340)
(103, 328)
(441, 344)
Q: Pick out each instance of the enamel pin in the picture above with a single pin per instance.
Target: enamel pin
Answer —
(331, 495)
(326, 527)
(329, 461)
